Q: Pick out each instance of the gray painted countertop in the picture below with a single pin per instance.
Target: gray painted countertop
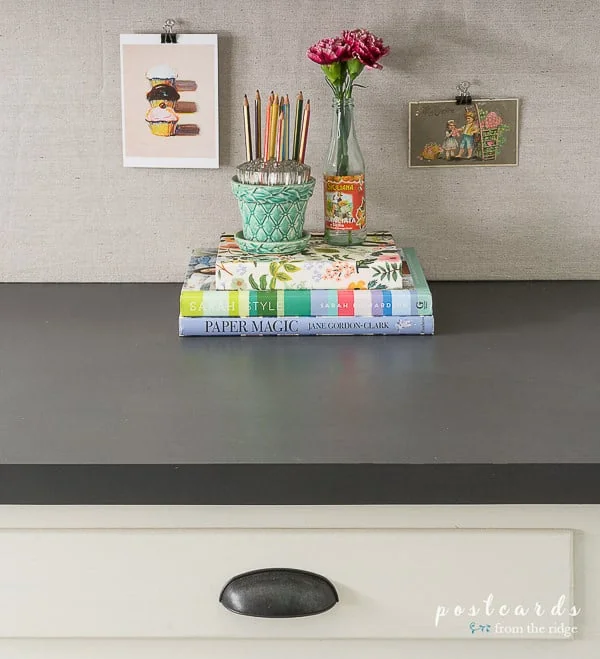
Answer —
(95, 374)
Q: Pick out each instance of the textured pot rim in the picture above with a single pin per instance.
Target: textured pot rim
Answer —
(310, 183)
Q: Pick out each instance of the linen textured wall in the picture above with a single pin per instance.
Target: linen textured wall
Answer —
(71, 212)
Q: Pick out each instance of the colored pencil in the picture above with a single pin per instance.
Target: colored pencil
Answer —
(276, 141)
(304, 132)
(247, 129)
(257, 120)
(273, 127)
(285, 151)
(297, 126)
(267, 128)
(279, 138)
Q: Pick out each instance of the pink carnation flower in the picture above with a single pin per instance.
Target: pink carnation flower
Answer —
(328, 51)
(366, 47)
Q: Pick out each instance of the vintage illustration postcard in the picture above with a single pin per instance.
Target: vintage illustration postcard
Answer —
(443, 133)
(169, 95)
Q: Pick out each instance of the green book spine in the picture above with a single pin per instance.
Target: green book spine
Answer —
(263, 303)
(206, 303)
(296, 304)
(424, 303)
(245, 303)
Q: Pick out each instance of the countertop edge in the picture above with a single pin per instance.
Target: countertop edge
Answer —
(299, 484)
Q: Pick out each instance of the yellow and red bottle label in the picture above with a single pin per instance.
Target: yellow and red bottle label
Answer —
(345, 202)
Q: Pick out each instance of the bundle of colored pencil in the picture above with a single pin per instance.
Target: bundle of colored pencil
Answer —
(274, 143)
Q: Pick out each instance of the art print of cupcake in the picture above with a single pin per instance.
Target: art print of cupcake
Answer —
(162, 120)
(169, 91)
(162, 94)
(161, 74)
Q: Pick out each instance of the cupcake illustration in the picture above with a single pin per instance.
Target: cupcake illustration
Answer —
(161, 74)
(162, 120)
(162, 94)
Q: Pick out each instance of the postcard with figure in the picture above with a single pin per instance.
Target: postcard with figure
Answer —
(169, 95)
(443, 133)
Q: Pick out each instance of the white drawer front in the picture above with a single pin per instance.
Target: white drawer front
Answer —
(391, 583)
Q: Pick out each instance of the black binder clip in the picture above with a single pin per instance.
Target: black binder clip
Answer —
(464, 98)
(168, 36)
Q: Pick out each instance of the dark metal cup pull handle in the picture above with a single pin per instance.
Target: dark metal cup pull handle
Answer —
(278, 593)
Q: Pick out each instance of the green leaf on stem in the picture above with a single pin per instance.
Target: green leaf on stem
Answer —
(333, 72)
(354, 67)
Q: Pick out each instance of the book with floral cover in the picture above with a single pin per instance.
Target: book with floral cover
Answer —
(374, 265)
(199, 296)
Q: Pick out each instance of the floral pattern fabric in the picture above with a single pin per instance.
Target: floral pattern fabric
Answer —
(376, 264)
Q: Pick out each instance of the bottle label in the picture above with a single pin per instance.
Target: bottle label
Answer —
(345, 202)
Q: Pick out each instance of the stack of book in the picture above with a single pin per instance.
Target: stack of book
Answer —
(374, 288)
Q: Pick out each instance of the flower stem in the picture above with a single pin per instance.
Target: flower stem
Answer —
(343, 131)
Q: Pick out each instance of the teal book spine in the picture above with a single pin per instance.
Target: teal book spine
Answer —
(422, 303)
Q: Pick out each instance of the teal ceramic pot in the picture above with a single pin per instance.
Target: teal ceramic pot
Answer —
(273, 213)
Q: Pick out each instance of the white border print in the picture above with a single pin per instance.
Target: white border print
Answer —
(182, 80)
